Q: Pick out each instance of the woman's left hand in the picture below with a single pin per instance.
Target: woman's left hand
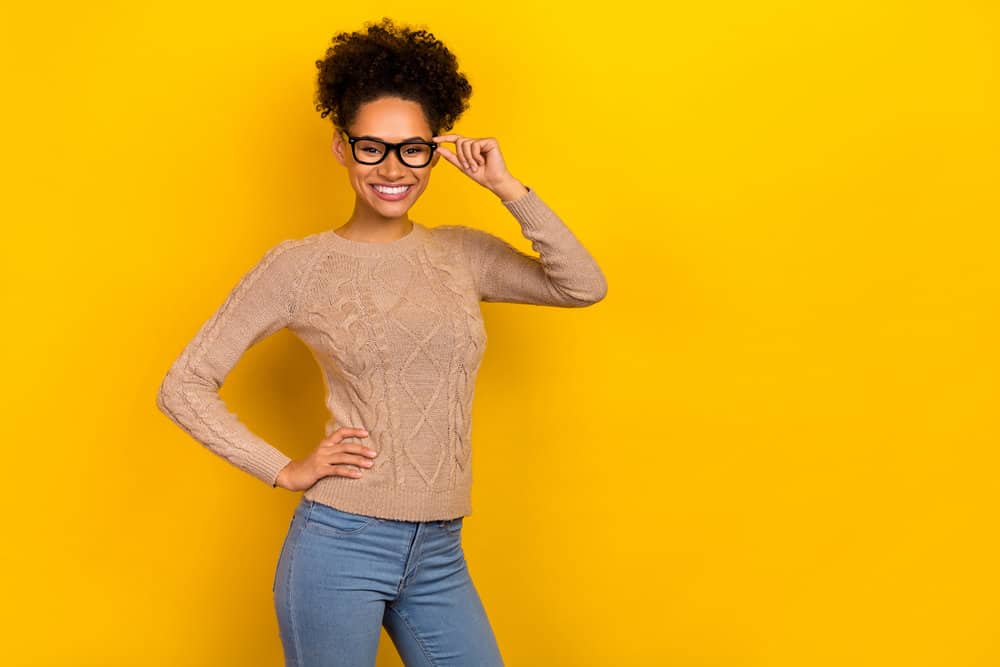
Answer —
(479, 159)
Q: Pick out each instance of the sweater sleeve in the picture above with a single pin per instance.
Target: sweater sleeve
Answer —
(565, 274)
(261, 303)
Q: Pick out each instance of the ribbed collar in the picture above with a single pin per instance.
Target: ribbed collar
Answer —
(364, 249)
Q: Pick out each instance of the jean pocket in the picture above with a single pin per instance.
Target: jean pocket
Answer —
(454, 525)
(326, 520)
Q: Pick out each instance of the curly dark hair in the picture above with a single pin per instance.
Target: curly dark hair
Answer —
(390, 60)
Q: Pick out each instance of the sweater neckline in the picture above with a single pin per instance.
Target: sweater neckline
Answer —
(376, 249)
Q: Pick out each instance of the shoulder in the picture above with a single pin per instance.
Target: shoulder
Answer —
(468, 239)
(448, 234)
(289, 256)
(281, 269)
(447, 241)
(292, 249)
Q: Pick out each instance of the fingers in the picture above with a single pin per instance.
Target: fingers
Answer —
(347, 459)
(349, 463)
(468, 152)
(451, 157)
(476, 152)
(463, 149)
(343, 471)
(347, 432)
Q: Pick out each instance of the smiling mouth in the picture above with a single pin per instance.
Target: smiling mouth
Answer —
(391, 192)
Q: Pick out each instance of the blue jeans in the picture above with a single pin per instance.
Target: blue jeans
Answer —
(342, 576)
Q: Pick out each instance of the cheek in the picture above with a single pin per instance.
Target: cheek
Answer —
(360, 178)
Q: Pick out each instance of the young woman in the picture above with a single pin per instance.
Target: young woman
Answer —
(390, 309)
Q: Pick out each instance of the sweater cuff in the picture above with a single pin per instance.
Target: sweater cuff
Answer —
(529, 210)
(267, 468)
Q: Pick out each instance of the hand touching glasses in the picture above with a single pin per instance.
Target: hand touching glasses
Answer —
(481, 160)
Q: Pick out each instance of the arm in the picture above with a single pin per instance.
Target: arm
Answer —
(260, 304)
(565, 274)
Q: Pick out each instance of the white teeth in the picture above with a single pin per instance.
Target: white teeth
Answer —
(392, 191)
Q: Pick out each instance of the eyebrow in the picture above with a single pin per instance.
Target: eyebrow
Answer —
(368, 136)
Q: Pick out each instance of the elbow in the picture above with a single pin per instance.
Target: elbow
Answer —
(602, 289)
(180, 390)
(168, 390)
(595, 292)
(589, 286)
(173, 397)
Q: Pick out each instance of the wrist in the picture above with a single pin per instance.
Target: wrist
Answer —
(279, 481)
(509, 189)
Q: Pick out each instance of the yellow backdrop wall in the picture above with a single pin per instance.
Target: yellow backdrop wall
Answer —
(773, 444)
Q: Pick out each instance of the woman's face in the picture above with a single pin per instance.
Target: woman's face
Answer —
(394, 120)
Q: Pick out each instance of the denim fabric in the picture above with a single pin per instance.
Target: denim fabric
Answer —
(341, 576)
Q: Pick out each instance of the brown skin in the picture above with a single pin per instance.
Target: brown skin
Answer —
(375, 220)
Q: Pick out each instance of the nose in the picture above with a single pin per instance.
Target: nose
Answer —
(391, 166)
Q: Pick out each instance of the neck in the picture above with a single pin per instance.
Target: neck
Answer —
(367, 225)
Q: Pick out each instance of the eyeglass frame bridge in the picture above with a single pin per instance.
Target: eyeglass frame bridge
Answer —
(389, 147)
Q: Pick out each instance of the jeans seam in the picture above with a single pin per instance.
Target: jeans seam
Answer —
(420, 642)
(288, 588)
(415, 557)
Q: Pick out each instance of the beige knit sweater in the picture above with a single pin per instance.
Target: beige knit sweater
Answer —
(397, 331)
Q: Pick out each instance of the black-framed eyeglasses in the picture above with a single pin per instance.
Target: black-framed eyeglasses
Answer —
(369, 150)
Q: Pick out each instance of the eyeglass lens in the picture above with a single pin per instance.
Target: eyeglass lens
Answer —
(368, 151)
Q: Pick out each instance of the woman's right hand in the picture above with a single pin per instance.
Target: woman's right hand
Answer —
(331, 457)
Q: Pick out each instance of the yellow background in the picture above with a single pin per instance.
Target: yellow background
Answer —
(773, 443)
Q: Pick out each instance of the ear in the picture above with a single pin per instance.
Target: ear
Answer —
(340, 147)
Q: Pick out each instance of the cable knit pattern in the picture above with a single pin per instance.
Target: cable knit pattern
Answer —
(397, 331)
